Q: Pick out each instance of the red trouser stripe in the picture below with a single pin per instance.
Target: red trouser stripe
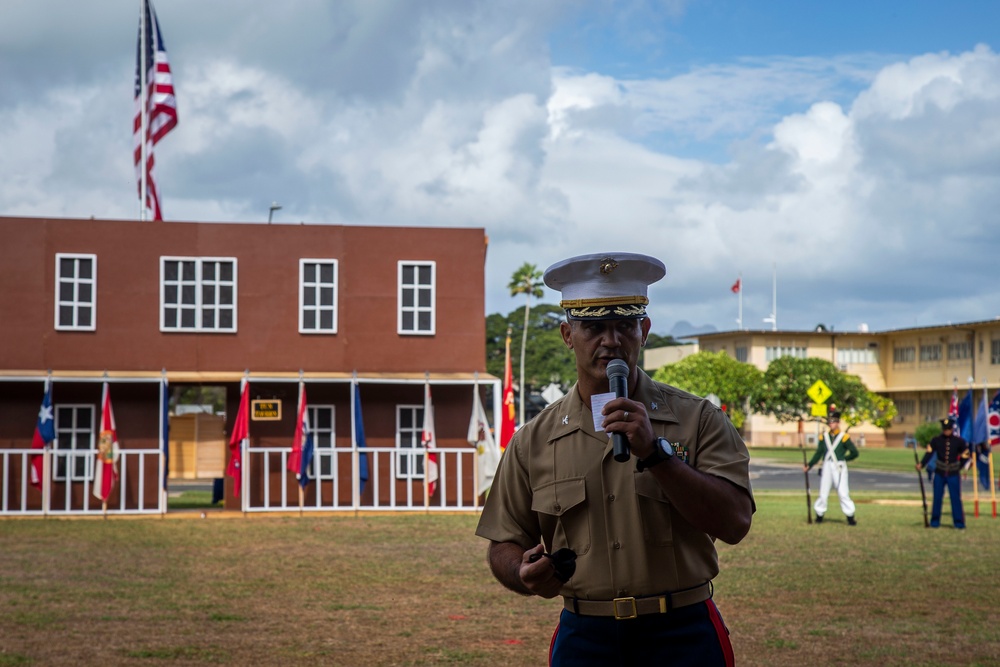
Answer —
(552, 644)
(722, 632)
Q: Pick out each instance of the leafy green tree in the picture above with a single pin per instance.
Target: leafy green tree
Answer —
(787, 379)
(716, 373)
(925, 432)
(547, 359)
(527, 280)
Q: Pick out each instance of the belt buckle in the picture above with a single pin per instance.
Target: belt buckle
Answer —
(629, 607)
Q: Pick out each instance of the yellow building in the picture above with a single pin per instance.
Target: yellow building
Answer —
(917, 368)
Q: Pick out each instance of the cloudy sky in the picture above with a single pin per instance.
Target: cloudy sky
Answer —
(850, 147)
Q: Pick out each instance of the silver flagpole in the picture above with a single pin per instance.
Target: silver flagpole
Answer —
(144, 105)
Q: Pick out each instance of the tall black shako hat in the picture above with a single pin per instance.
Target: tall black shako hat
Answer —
(604, 286)
(947, 423)
(833, 415)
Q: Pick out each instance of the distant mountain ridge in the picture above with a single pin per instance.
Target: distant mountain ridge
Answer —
(683, 329)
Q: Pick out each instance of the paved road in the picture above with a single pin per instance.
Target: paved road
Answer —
(784, 477)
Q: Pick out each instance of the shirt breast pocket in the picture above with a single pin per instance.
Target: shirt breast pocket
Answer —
(561, 507)
(654, 510)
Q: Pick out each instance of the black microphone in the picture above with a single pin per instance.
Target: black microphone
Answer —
(617, 372)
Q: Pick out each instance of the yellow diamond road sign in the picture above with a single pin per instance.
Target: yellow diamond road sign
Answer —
(819, 392)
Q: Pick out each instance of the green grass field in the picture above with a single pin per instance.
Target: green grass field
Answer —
(415, 590)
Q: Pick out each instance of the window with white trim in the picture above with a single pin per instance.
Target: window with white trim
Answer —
(322, 424)
(777, 351)
(76, 292)
(741, 353)
(961, 350)
(856, 356)
(416, 297)
(74, 446)
(932, 409)
(198, 294)
(930, 352)
(317, 296)
(409, 443)
(904, 355)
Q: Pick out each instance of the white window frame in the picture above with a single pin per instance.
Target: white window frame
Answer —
(68, 439)
(199, 284)
(315, 287)
(324, 442)
(417, 288)
(772, 352)
(409, 444)
(76, 282)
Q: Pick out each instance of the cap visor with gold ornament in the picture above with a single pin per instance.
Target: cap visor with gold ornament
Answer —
(605, 286)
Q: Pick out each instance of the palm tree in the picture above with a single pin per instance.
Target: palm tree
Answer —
(526, 280)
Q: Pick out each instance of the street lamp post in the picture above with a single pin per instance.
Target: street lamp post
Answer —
(275, 206)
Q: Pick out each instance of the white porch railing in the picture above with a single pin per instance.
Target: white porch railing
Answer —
(395, 481)
(67, 486)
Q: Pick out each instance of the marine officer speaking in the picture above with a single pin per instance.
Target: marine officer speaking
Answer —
(628, 542)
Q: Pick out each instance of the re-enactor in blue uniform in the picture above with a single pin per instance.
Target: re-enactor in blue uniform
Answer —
(952, 451)
(643, 530)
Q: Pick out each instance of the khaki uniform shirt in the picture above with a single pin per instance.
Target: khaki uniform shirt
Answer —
(559, 484)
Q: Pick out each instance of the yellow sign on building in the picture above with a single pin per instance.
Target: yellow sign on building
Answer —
(265, 410)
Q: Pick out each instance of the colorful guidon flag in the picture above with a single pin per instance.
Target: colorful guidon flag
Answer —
(302, 445)
(507, 409)
(479, 436)
(359, 440)
(106, 466)
(241, 431)
(993, 421)
(45, 433)
(429, 440)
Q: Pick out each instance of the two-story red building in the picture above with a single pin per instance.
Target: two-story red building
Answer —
(381, 315)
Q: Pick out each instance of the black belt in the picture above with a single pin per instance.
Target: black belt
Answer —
(625, 608)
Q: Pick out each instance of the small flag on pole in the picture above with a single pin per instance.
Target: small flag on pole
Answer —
(429, 440)
(241, 431)
(45, 433)
(479, 436)
(107, 450)
(737, 286)
(359, 440)
(302, 444)
(507, 410)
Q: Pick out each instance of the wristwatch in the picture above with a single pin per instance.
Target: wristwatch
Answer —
(662, 451)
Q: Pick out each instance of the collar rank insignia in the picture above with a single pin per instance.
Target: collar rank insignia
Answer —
(566, 419)
(654, 406)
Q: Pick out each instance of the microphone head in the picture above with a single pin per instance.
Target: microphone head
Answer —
(616, 369)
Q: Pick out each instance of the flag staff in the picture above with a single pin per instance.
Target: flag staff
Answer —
(738, 288)
(144, 108)
(773, 317)
(975, 455)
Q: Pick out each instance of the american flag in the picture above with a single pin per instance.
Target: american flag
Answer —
(158, 103)
(953, 405)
